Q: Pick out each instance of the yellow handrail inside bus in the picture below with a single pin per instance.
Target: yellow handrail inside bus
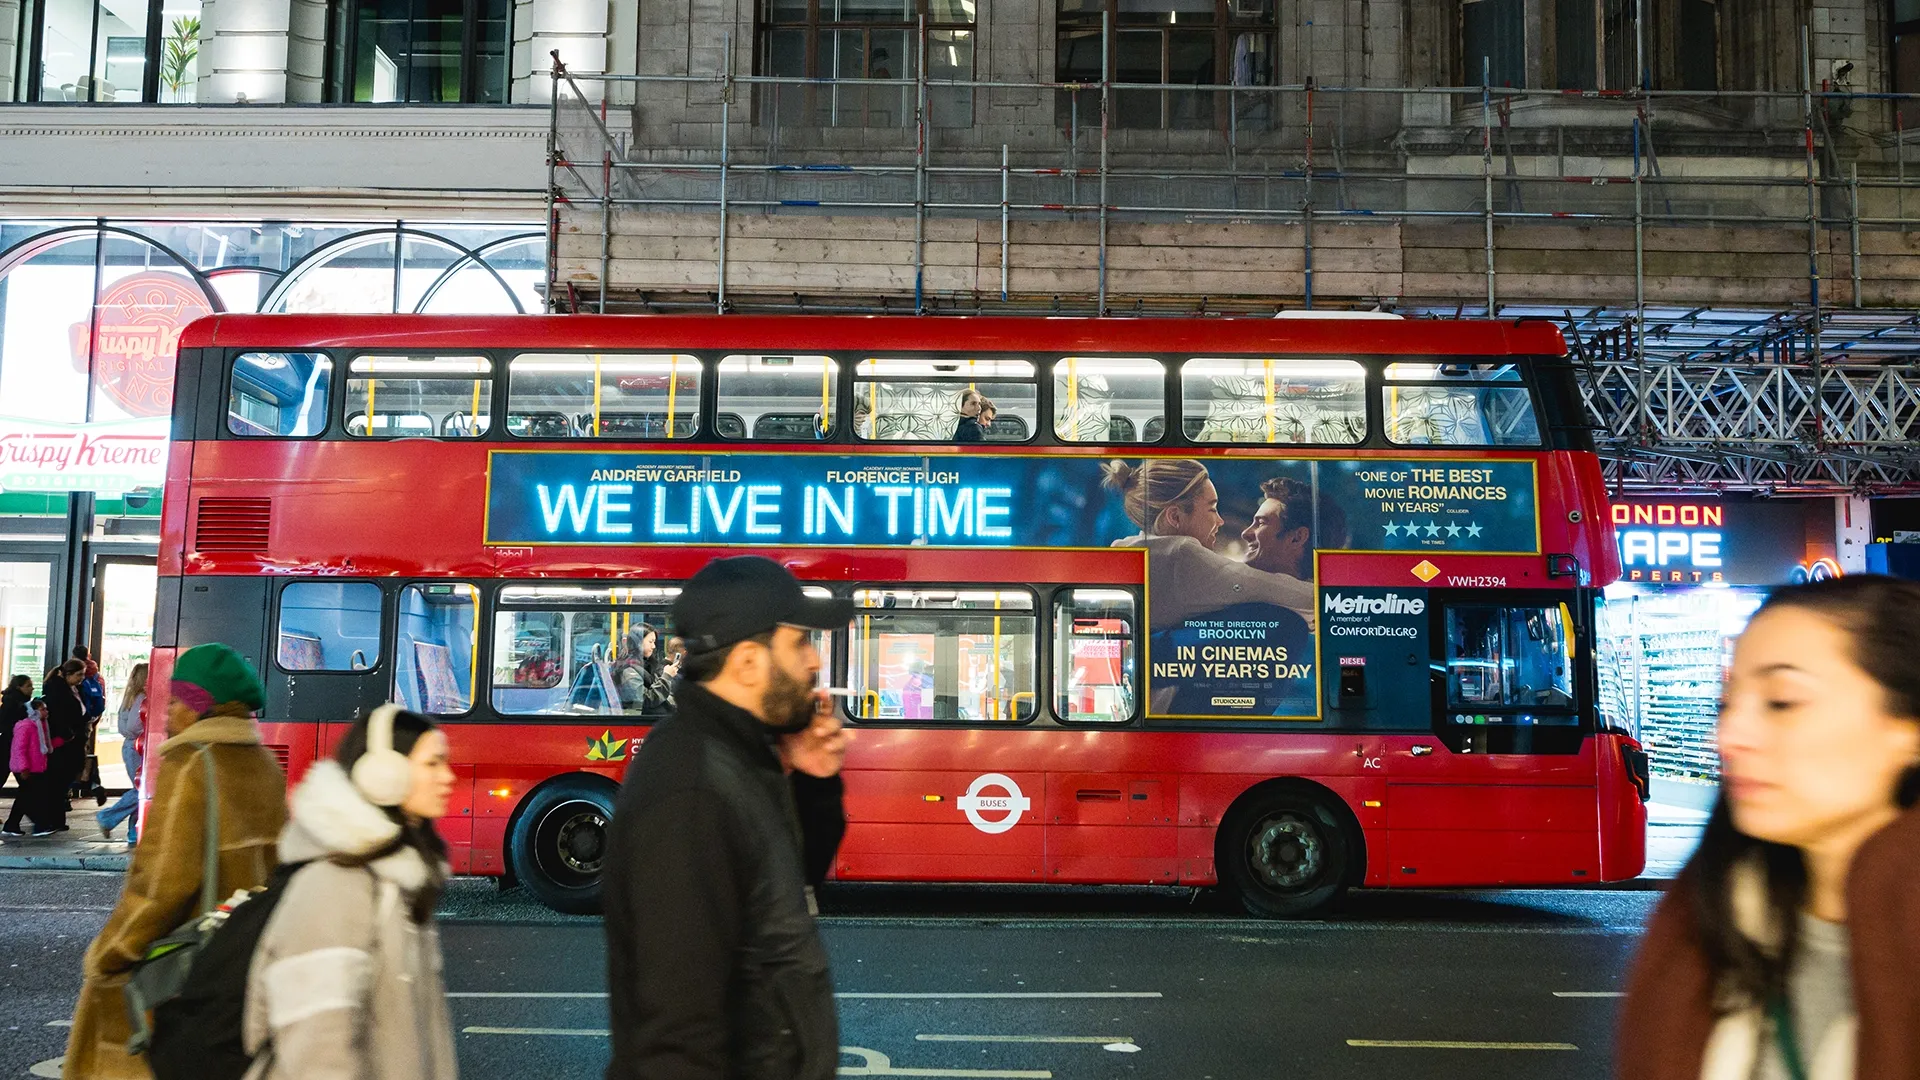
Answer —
(1013, 703)
(673, 389)
(596, 395)
(1073, 395)
(873, 409)
(826, 396)
(1269, 365)
(473, 650)
(872, 712)
(996, 650)
(371, 383)
(475, 412)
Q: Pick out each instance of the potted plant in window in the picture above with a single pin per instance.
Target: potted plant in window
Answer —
(182, 49)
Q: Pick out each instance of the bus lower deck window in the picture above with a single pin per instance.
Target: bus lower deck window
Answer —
(439, 641)
(964, 655)
(1094, 655)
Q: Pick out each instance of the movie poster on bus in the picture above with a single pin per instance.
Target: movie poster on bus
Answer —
(1229, 542)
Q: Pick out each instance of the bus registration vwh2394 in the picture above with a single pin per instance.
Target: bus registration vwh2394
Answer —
(1283, 605)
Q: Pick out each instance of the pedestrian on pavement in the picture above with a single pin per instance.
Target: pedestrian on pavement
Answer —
(346, 978)
(1786, 949)
(214, 693)
(730, 811)
(93, 700)
(67, 727)
(14, 707)
(131, 721)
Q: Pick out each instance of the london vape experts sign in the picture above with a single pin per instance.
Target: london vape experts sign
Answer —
(110, 457)
(1681, 542)
(1230, 603)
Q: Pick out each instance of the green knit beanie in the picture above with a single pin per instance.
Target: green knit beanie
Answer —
(221, 676)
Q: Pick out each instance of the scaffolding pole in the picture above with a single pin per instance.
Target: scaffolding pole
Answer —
(1106, 121)
(726, 160)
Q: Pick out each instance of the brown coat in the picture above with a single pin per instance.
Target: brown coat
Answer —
(1670, 1030)
(163, 886)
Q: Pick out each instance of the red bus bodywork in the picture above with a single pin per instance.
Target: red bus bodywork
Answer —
(1142, 803)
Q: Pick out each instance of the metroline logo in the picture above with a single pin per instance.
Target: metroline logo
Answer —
(1390, 604)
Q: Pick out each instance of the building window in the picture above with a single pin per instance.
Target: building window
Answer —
(451, 51)
(1173, 42)
(85, 50)
(1906, 59)
(852, 40)
(1493, 42)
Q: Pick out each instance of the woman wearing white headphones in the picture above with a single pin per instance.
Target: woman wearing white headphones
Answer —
(346, 978)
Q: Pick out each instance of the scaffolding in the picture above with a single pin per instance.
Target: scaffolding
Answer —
(1735, 271)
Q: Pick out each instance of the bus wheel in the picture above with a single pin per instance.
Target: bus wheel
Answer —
(1284, 853)
(559, 843)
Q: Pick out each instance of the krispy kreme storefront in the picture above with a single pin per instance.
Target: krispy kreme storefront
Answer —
(91, 314)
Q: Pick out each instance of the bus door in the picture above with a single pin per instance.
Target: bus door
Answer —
(1501, 789)
(328, 665)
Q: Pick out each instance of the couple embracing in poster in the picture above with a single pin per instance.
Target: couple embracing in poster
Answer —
(1227, 637)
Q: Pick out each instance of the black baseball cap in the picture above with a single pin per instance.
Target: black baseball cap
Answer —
(731, 600)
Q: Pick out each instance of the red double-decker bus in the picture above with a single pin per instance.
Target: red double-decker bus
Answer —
(1287, 606)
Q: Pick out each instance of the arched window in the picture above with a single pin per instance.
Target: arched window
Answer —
(423, 51)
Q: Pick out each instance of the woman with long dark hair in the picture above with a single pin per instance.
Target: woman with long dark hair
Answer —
(346, 978)
(1787, 948)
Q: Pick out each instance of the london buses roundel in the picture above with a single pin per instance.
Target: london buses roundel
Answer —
(990, 795)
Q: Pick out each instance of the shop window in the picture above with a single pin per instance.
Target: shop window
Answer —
(778, 398)
(421, 51)
(1109, 399)
(279, 394)
(1510, 658)
(964, 656)
(1094, 656)
(569, 651)
(849, 41)
(1321, 402)
(329, 626)
(908, 400)
(1448, 405)
(603, 396)
(390, 397)
(1169, 42)
(85, 50)
(437, 649)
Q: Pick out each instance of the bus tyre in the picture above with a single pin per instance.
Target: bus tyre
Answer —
(559, 843)
(1284, 854)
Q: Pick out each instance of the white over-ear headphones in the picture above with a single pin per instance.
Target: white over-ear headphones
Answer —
(383, 774)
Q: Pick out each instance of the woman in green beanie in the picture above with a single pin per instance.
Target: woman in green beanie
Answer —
(211, 700)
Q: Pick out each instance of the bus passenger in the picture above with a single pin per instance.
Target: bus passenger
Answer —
(1178, 510)
(715, 966)
(969, 428)
(1787, 947)
(346, 977)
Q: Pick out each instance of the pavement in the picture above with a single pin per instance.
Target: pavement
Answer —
(1020, 984)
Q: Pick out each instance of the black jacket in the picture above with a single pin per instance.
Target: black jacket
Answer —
(66, 720)
(715, 969)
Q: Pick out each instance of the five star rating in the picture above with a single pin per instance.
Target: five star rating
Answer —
(1433, 528)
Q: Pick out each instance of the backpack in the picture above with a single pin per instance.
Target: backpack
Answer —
(199, 1034)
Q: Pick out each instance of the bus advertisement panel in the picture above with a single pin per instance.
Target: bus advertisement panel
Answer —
(1230, 597)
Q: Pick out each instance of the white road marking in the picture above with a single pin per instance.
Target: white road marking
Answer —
(59, 1023)
(1429, 1044)
(875, 1063)
(49, 1068)
(1122, 1048)
(856, 995)
(1588, 994)
(1095, 1040)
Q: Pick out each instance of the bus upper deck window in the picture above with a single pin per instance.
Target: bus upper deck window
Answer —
(962, 655)
(926, 400)
(778, 398)
(1260, 400)
(391, 397)
(279, 394)
(603, 396)
(1458, 404)
(1109, 399)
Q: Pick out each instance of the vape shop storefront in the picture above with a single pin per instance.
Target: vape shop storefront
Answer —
(90, 317)
(1692, 573)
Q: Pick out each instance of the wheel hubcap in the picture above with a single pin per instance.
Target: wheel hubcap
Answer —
(1286, 851)
(574, 842)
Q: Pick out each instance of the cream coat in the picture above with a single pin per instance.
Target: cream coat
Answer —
(344, 983)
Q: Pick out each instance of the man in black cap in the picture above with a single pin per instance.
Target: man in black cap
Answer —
(730, 810)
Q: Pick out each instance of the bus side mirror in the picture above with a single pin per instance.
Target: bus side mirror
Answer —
(1566, 566)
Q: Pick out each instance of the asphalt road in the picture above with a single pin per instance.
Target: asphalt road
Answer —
(1069, 983)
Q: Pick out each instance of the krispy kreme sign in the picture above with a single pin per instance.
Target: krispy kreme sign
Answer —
(134, 337)
(110, 457)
